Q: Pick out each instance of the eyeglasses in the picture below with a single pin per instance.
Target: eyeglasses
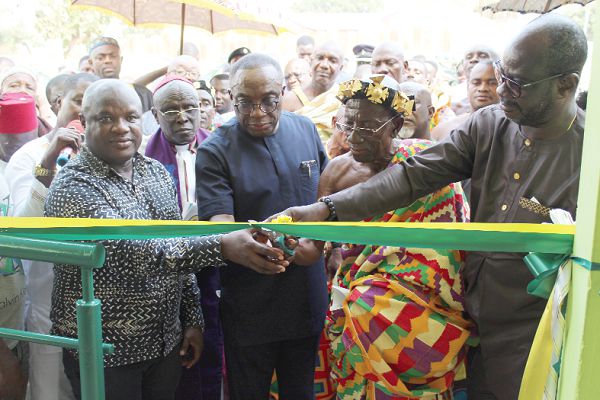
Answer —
(363, 132)
(266, 106)
(172, 115)
(515, 87)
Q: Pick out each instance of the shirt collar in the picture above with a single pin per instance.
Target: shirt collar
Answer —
(101, 168)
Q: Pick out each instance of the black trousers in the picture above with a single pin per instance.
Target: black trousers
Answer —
(250, 369)
(149, 380)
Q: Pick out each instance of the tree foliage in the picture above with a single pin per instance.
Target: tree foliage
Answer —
(335, 6)
(55, 18)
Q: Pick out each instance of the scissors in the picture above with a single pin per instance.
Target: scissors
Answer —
(278, 239)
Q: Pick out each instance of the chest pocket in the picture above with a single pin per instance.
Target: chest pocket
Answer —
(532, 212)
(309, 176)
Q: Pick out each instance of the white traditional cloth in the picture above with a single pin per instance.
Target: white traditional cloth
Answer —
(46, 375)
(12, 280)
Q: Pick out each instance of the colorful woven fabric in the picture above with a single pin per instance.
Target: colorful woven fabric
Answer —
(401, 331)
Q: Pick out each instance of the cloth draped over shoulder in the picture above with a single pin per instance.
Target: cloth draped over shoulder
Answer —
(320, 110)
(401, 330)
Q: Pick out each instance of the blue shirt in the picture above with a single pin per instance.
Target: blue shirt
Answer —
(253, 178)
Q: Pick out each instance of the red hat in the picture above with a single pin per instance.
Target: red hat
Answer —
(172, 78)
(17, 113)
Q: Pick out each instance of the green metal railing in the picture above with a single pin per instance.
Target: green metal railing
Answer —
(89, 324)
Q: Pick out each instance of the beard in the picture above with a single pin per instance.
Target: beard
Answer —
(406, 132)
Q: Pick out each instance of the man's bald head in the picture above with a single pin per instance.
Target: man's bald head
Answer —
(327, 62)
(391, 48)
(330, 47)
(185, 66)
(111, 115)
(388, 59)
(476, 53)
(101, 90)
(296, 73)
(556, 41)
(417, 124)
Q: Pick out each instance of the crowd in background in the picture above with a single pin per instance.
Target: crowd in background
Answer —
(215, 317)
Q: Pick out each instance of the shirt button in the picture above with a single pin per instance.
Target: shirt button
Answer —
(504, 207)
(527, 142)
(517, 176)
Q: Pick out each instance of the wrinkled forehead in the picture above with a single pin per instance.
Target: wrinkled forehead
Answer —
(328, 51)
(387, 52)
(365, 111)
(19, 77)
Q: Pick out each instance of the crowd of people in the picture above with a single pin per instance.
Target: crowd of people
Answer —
(241, 316)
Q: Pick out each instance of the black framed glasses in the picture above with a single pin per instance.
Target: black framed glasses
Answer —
(267, 106)
(515, 88)
(363, 132)
(172, 115)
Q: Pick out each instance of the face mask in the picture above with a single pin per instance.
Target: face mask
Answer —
(406, 132)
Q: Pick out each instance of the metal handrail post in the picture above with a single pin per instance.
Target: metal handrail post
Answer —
(89, 322)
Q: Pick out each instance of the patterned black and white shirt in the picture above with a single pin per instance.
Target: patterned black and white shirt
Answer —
(142, 281)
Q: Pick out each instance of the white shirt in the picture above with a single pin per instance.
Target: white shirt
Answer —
(28, 197)
(186, 168)
(12, 280)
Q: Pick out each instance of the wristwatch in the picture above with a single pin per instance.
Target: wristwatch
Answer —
(41, 171)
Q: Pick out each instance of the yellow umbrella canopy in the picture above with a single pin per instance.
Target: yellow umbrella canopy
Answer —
(207, 15)
(527, 6)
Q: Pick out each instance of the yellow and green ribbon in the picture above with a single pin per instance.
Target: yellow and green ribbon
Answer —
(547, 238)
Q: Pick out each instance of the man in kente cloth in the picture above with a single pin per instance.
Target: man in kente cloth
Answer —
(396, 321)
(524, 158)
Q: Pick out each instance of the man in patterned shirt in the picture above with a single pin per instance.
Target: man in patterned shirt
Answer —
(141, 282)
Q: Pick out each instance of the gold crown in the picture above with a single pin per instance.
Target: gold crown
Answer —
(376, 93)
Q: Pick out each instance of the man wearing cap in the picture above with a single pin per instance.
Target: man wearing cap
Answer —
(523, 158)
(316, 99)
(362, 56)
(18, 125)
(22, 80)
(30, 172)
(105, 59)
(237, 54)
(177, 111)
(381, 281)
(223, 103)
